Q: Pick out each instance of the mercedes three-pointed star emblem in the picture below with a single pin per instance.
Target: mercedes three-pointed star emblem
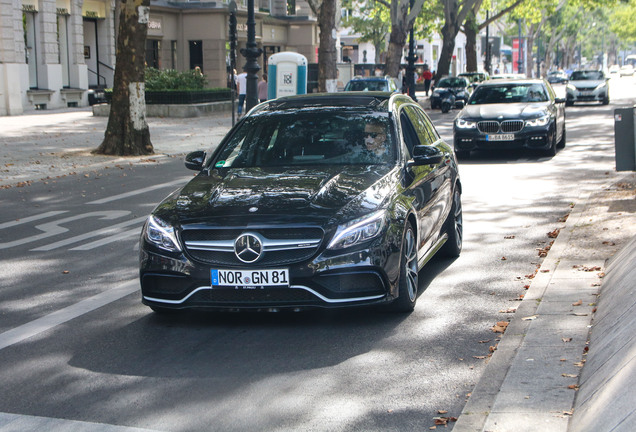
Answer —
(248, 247)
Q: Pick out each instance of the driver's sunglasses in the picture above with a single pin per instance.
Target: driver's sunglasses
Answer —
(373, 134)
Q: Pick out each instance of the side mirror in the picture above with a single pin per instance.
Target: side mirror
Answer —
(426, 155)
(459, 104)
(194, 160)
(559, 100)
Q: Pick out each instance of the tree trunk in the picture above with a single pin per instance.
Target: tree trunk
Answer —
(470, 30)
(327, 53)
(127, 133)
(397, 38)
(449, 32)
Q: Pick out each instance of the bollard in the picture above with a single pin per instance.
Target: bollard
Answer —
(625, 138)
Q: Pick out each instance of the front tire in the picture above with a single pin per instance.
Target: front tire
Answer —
(408, 283)
(454, 227)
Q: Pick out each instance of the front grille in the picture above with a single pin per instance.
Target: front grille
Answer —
(509, 126)
(506, 126)
(488, 126)
(356, 282)
(303, 243)
(266, 296)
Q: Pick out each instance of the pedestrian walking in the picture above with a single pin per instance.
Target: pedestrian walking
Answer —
(262, 89)
(427, 76)
(241, 84)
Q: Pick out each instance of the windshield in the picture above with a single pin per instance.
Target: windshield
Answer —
(509, 93)
(586, 75)
(324, 137)
(366, 85)
(452, 82)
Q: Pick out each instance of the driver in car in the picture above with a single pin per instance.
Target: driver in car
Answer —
(375, 139)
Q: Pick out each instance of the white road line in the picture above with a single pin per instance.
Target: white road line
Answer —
(31, 219)
(179, 181)
(61, 316)
(17, 422)
(135, 232)
(103, 231)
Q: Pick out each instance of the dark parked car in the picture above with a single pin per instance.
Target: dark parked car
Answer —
(557, 77)
(323, 200)
(510, 114)
(372, 83)
(457, 85)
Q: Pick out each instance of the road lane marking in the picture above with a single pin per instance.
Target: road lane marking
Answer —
(135, 232)
(179, 181)
(103, 231)
(13, 422)
(54, 228)
(13, 223)
(47, 322)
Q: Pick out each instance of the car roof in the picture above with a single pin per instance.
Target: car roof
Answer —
(369, 78)
(376, 101)
(499, 82)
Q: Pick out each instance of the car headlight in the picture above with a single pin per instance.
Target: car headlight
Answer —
(358, 230)
(465, 124)
(541, 121)
(601, 86)
(161, 234)
(570, 87)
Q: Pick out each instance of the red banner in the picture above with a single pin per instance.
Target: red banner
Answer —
(515, 55)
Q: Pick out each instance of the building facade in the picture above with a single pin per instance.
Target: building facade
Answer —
(53, 52)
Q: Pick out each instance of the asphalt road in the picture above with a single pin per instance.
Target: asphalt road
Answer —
(76, 343)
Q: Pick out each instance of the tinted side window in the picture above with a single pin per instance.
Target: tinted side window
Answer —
(420, 124)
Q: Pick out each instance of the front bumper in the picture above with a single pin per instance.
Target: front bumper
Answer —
(586, 95)
(358, 278)
(538, 138)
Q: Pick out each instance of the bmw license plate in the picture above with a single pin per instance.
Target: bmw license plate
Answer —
(500, 137)
(249, 278)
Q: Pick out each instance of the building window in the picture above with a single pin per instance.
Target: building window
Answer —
(291, 7)
(173, 54)
(31, 52)
(153, 47)
(62, 43)
(196, 54)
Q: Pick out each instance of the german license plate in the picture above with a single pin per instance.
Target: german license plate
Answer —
(249, 278)
(586, 93)
(500, 137)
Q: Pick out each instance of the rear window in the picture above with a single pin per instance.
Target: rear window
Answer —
(363, 85)
(586, 75)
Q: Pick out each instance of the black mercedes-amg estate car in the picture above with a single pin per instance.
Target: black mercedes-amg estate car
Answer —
(323, 200)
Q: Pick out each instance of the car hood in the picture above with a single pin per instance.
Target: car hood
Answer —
(270, 195)
(587, 83)
(507, 111)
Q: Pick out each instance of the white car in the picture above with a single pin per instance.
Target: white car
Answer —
(627, 70)
(587, 86)
(614, 69)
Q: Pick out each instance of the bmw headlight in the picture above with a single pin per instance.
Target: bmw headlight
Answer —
(358, 230)
(541, 121)
(465, 124)
(161, 234)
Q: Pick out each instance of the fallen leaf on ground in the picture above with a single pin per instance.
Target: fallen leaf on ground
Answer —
(566, 340)
(442, 412)
(578, 303)
(573, 387)
(509, 237)
(509, 310)
(529, 318)
(566, 375)
(555, 233)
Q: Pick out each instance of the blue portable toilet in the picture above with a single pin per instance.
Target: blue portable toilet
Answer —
(286, 74)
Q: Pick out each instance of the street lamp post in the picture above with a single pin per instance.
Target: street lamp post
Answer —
(251, 52)
(410, 69)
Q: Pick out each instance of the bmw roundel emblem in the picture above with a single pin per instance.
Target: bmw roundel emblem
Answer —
(248, 247)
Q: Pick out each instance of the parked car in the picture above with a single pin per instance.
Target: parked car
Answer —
(311, 201)
(459, 86)
(587, 86)
(372, 83)
(474, 78)
(614, 69)
(626, 70)
(511, 114)
(557, 77)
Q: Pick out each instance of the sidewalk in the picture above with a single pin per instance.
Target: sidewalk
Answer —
(533, 380)
(50, 144)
